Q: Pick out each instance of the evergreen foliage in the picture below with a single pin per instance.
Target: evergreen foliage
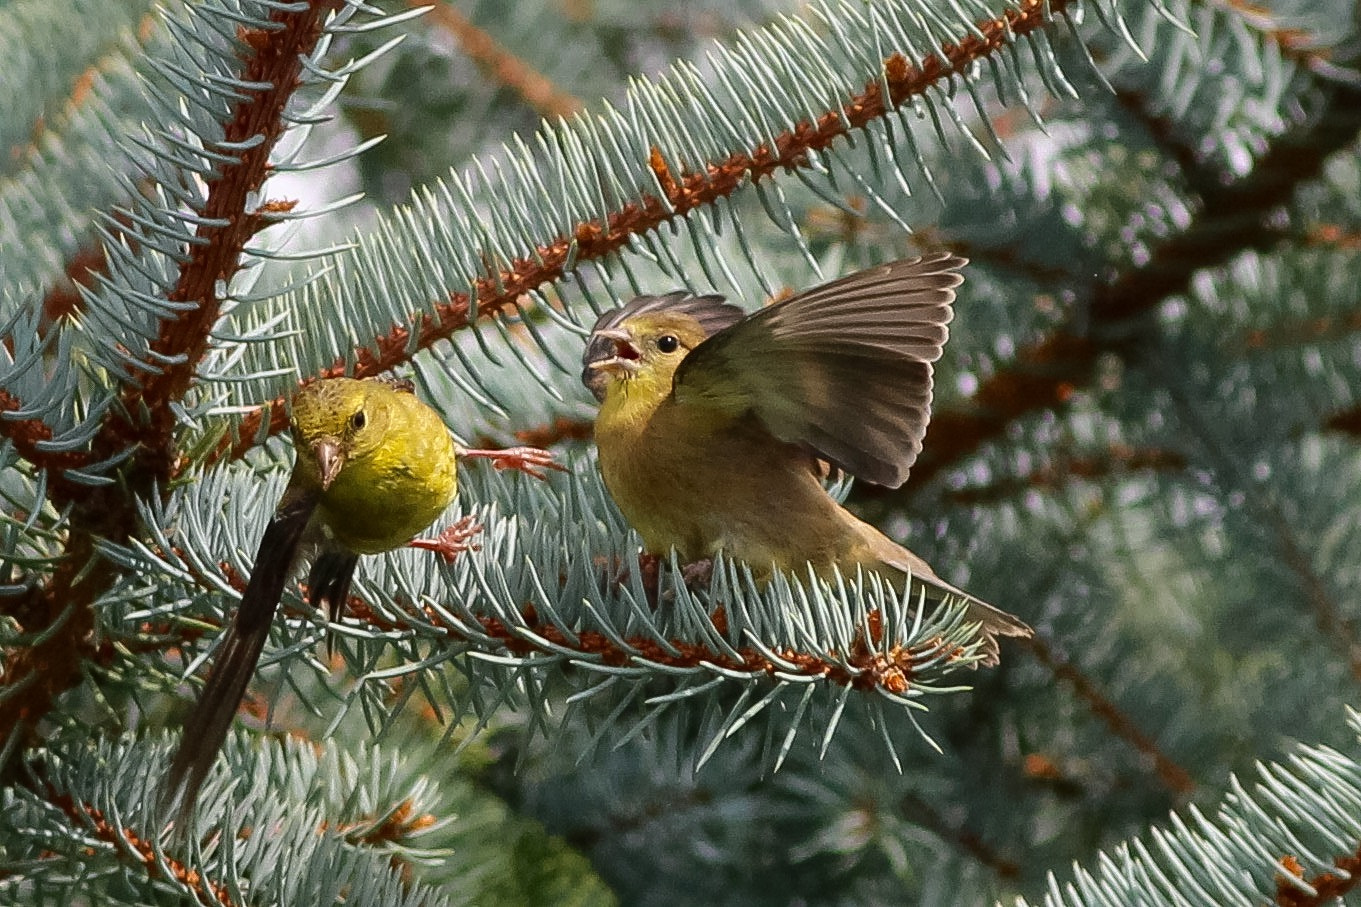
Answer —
(1145, 445)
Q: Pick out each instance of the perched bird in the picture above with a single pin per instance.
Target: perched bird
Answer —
(374, 466)
(712, 422)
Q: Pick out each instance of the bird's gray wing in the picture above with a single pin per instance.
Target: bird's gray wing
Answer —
(843, 369)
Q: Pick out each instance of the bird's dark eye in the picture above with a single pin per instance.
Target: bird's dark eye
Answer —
(357, 420)
(668, 343)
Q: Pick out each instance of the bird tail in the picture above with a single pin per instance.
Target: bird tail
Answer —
(211, 719)
(993, 622)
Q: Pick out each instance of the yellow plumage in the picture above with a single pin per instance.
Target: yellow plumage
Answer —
(712, 423)
(400, 471)
(373, 467)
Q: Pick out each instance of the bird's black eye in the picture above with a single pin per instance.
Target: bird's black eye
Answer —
(668, 343)
(357, 420)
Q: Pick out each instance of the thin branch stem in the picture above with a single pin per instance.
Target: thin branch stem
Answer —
(1177, 779)
(699, 185)
(501, 64)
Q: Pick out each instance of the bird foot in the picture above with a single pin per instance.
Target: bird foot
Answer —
(694, 574)
(529, 460)
(698, 573)
(453, 540)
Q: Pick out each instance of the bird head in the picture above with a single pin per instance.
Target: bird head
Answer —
(336, 421)
(644, 341)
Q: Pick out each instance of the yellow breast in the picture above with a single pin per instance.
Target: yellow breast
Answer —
(386, 495)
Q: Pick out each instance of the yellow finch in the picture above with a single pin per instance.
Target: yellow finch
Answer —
(712, 422)
(374, 466)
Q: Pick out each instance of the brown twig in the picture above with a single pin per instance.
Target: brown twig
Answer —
(129, 845)
(1347, 421)
(1042, 376)
(1119, 460)
(1334, 236)
(1296, 44)
(505, 67)
(1332, 621)
(968, 841)
(687, 187)
(1176, 778)
(1321, 329)
(1329, 887)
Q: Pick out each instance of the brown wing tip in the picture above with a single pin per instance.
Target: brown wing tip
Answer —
(940, 262)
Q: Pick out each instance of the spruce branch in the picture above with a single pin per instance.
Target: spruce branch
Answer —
(1067, 469)
(1293, 889)
(1347, 421)
(64, 298)
(272, 58)
(1232, 217)
(500, 64)
(61, 611)
(685, 187)
(1290, 838)
(1176, 778)
(923, 813)
(1333, 624)
(135, 851)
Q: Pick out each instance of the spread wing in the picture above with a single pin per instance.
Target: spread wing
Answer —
(843, 369)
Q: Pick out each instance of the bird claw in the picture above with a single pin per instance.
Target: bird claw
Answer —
(698, 573)
(529, 460)
(453, 540)
(693, 574)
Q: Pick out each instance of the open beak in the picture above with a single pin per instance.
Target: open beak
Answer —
(609, 352)
(329, 460)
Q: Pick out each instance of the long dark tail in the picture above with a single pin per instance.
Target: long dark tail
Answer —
(207, 726)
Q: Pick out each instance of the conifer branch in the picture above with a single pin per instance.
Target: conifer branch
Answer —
(500, 64)
(273, 58)
(1064, 470)
(1330, 618)
(1346, 421)
(1328, 887)
(392, 827)
(28, 437)
(1177, 779)
(64, 299)
(1294, 43)
(1334, 236)
(866, 668)
(1232, 218)
(62, 616)
(1320, 329)
(130, 846)
(687, 186)
(559, 430)
(960, 836)
(1044, 375)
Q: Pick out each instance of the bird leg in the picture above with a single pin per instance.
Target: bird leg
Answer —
(694, 574)
(698, 573)
(453, 540)
(529, 460)
(650, 573)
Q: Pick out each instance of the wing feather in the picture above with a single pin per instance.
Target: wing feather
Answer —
(843, 369)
